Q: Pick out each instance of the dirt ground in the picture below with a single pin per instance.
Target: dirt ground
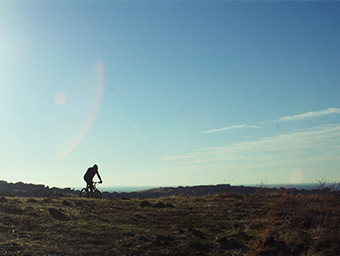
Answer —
(224, 224)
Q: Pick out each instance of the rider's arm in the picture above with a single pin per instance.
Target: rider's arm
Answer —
(99, 177)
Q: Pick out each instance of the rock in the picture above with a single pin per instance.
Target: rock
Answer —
(128, 245)
(145, 204)
(162, 205)
(159, 205)
(271, 242)
(143, 239)
(138, 216)
(3, 200)
(47, 200)
(274, 248)
(200, 246)
(215, 230)
(240, 236)
(227, 243)
(67, 203)
(179, 254)
(57, 214)
(128, 234)
(197, 233)
(163, 240)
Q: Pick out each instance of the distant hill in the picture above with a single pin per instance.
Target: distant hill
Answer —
(205, 190)
(33, 190)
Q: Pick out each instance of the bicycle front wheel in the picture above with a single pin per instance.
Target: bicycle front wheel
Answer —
(84, 193)
(97, 194)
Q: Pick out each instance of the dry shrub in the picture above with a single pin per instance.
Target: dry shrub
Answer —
(312, 224)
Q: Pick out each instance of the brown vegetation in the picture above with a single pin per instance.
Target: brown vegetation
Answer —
(223, 224)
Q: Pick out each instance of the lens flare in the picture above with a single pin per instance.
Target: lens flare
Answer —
(60, 98)
(83, 94)
(93, 116)
(296, 176)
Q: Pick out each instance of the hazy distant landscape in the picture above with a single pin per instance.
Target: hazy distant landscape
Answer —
(308, 186)
(39, 190)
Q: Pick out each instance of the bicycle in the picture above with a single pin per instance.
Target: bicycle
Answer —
(88, 193)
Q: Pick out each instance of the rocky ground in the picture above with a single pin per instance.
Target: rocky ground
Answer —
(222, 224)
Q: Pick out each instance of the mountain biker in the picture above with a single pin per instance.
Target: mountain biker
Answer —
(90, 173)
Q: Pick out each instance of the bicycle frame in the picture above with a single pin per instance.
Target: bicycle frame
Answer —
(94, 186)
(91, 193)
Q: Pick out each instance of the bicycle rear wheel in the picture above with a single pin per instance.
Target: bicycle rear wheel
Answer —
(97, 194)
(84, 193)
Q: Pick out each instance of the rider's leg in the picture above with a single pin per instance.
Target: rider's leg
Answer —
(89, 185)
(86, 183)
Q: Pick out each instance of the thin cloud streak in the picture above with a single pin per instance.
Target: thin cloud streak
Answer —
(309, 144)
(234, 127)
(311, 114)
(298, 117)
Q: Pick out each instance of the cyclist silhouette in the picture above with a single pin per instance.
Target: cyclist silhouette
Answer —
(90, 173)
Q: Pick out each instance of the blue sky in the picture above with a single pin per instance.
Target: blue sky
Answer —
(169, 93)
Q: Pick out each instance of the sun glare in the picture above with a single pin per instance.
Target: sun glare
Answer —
(81, 100)
(60, 98)
(296, 176)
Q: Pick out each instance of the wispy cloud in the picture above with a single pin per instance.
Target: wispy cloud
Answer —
(303, 145)
(311, 151)
(298, 117)
(234, 127)
(311, 114)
